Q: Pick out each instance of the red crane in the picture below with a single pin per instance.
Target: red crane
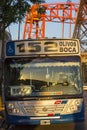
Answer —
(35, 22)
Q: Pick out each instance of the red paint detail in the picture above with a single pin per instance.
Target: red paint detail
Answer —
(50, 114)
(58, 102)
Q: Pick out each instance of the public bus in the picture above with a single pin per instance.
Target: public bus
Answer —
(43, 82)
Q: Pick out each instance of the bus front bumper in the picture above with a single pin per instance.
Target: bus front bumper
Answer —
(25, 120)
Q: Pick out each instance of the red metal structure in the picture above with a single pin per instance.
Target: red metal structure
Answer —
(80, 30)
(35, 23)
(65, 13)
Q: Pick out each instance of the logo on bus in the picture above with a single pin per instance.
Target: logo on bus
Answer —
(10, 49)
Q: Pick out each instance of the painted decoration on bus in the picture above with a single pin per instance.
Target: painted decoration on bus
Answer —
(67, 46)
(47, 108)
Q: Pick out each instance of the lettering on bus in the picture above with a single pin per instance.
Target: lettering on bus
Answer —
(37, 47)
(69, 47)
(44, 47)
(50, 46)
(61, 47)
(31, 47)
(21, 47)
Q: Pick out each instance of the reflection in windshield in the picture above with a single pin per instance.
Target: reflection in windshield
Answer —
(46, 77)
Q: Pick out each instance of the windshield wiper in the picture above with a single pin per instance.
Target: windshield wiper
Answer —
(66, 83)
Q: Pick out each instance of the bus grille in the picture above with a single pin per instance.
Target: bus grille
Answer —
(43, 110)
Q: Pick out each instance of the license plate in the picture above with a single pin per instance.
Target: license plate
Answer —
(45, 122)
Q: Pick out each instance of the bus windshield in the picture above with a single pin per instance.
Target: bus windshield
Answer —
(42, 77)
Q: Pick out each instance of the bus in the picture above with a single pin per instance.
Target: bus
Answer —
(43, 82)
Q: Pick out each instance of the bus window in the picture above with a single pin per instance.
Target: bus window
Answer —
(42, 77)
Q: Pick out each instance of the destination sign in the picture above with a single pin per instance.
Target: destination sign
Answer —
(61, 47)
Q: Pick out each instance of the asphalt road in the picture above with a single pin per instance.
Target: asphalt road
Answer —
(68, 126)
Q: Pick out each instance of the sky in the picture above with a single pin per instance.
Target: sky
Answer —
(52, 29)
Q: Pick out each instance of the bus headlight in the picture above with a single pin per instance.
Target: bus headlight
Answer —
(73, 108)
(15, 110)
(77, 102)
(12, 108)
(10, 105)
